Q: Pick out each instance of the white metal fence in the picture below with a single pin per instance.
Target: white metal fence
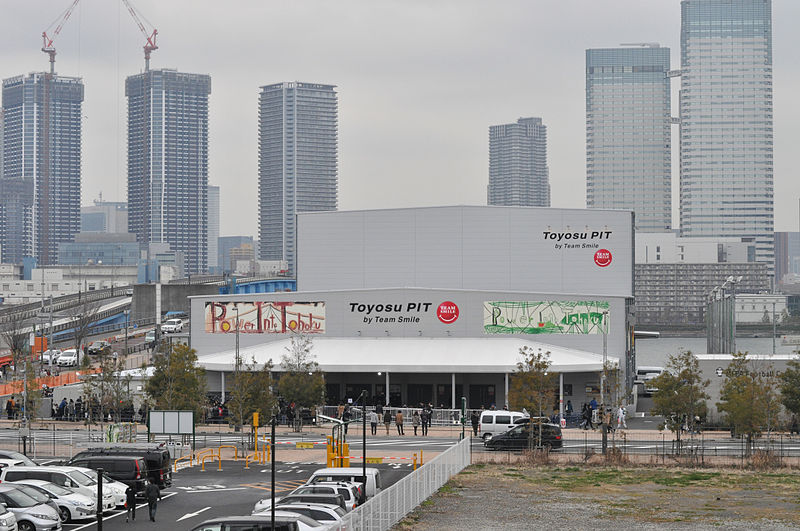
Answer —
(392, 504)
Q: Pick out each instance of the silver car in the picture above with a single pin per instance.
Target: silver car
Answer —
(8, 522)
(30, 514)
(71, 505)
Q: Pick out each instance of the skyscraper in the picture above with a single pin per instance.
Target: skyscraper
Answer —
(518, 172)
(628, 133)
(297, 161)
(41, 197)
(168, 161)
(213, 226)
(726, 173)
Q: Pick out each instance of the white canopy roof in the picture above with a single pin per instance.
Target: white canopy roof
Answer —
(413, 355)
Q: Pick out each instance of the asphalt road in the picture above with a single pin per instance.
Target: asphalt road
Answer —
(196, 496)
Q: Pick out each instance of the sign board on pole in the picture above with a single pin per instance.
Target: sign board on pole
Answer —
(171, 422)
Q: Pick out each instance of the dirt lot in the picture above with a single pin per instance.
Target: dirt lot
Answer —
(497, 496)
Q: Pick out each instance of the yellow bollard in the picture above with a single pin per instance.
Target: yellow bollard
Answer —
(420, 458)
(346, 454)
(415, 461)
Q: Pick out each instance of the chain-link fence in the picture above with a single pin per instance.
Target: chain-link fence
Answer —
(390, 506)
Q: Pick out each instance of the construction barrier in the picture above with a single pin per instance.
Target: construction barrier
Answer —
(65, 378)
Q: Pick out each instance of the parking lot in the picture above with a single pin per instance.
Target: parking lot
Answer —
(196, 496)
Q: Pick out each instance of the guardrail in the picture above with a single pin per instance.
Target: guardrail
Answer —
(26, 311)
(390, 506)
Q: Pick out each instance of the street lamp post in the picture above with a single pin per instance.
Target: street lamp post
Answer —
(127, 312)
(773, 328)
(364, 437)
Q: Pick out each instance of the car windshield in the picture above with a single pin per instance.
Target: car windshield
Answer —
(81, 479)
(34, 493)
(19, 498)
(58, 490)
(19, 457)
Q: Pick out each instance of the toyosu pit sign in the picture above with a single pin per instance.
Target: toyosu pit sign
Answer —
(261, 317)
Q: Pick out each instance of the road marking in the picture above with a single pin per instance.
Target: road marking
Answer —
(189, 515)
(120, 513)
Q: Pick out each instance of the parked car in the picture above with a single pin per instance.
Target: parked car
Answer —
(519, 437)
(71, 505)
(150, 338)
(37, 495)
(10, 454)
(156, 456)
(55, 353)
(284, 521)
(494, 422)
(70, 358)
(351, 475)
(30, 514)
(321, 512)
(65, 476)
(330, 499)
(349, 491)
(172, 325)
(126, 469)
(96, 348)
(8, 522)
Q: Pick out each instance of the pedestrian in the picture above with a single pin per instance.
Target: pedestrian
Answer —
(593, 404)
(398, 420)
(62, 408)
(587, 418)
(476, 420)
(10, 407)
(373, 422)
(569, 408)
(340, 411)
(415, 421)
(71, 409)
(425, 419)
(153, 494)
(346, 416)
(387, 419)
(130, 504)
(621, 414)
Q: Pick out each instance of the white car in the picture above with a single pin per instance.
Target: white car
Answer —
(70, 477)
(56, 353)
(321, 512)
(71, 505)
(70, 358)
(110, 486)
(171, 326)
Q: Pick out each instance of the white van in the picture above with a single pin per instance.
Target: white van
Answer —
(70, 477)
(500, 421)
(353, 475)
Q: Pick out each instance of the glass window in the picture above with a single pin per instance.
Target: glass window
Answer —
(502, 419)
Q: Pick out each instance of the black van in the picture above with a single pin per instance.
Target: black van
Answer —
(156, 456)
(127, 469)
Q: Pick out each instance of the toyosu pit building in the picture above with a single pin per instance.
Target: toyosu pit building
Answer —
(432, 304)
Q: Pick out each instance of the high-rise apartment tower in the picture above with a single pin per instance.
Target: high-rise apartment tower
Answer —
(518, 172)
(297, 161)
(41, 189)
(168, 161)
(628, 133)
(726, 165)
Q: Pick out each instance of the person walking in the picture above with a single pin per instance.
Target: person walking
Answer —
(398, 420)
(425, 419)
(10, 407)
(621, 414)
(569, 408)
(153, 494)
(71, 410)
(387, 419)
(415, 421)
(373, 422)
(130, 504)
(475, 419)
(346, 417)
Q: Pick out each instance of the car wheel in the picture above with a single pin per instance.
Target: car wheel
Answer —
(25, 526)
(64, 514)
(486, 436)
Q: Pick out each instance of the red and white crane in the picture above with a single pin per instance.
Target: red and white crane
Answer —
(47, 46)
(151, 38)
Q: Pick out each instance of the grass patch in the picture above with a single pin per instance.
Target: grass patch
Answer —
(679, 479)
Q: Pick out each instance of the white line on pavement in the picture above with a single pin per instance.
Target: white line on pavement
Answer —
(105, 518)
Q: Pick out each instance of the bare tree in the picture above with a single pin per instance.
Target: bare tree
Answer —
(14, 334)
(83, 316)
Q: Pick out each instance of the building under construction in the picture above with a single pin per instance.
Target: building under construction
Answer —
(42, 114)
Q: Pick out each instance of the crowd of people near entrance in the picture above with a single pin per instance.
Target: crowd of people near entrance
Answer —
(77, 410)
(391, 418)
(594, 415)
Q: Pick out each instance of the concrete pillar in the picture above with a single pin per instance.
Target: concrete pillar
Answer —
(453, 388)
(505, 397)
(561, 395)
(387, 388)
(222, 381)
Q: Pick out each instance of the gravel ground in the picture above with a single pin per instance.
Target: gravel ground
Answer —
(507, 497)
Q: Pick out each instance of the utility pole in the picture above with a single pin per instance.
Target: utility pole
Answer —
(773, 328)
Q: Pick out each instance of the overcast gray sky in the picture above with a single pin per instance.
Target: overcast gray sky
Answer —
(419, 84)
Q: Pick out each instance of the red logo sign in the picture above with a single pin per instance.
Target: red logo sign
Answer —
(447, 312)
(602, 258)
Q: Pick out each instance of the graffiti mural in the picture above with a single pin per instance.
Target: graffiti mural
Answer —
(544, 317)
(265, 317)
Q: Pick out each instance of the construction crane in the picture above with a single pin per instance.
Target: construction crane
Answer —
(151, 38)
(47, 46)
